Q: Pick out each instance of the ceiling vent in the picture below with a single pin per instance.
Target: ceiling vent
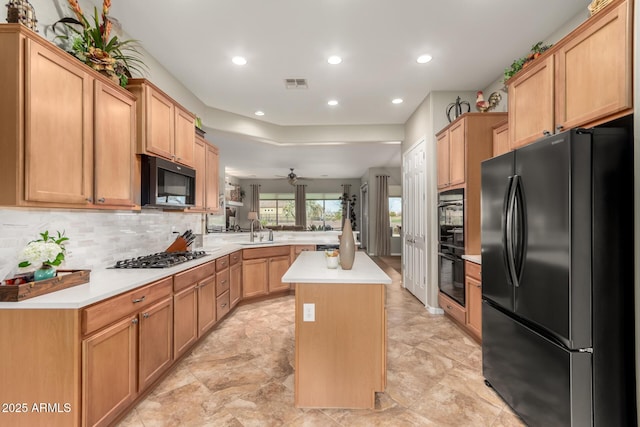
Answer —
(296, 83)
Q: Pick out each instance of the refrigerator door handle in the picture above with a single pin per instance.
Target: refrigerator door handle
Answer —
(511, 207)
(519, 229)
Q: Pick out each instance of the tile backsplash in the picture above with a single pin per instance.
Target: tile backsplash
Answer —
(97, 239)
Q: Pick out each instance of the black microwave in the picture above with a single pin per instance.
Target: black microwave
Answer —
(166, 184)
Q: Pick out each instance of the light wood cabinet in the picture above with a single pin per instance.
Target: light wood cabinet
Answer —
(473, 288)
(451, 155)
(594, 69)
(235, 278)
(235, 284)
(155, 342)
(131, 352)
(212, 186)
(501, 138)
(442, 149)
(185, 124)
(277, 267)
(531, 102)
(193, 305)
(206, 164)
(200, 166)
(458, 159)
(255, 277)
(114, 146)
(53, 154)
(185, 325)
(109, 357)
(340, 359)
(452, 308)
(262, 270)
(583, 80)
(207, 315)
(164, 128)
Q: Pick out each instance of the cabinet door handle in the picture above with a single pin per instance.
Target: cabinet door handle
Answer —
(134, 321)
(135, 301)
(449, 307)
(559, 128)
(145, 315)
(223, 282)
(223, 305)
(89, 199)
(101, 200)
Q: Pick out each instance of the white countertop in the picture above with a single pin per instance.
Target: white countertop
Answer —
(473, 258)
(311, 267)
(106, 282)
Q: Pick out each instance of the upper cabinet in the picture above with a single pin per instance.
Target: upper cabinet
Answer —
(114, 145)
(67, 132)
(462, 145)
(500, 138)
(206, 166)
(583, 80)
(165, 128)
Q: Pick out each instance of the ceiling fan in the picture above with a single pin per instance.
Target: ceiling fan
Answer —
(292, 178)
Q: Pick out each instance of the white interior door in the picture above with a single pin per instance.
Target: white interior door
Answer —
(414, 220)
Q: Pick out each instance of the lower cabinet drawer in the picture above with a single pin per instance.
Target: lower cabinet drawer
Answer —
(452, 308)
(222, 303)
(222, 282)
(105, 312)
(474, 270)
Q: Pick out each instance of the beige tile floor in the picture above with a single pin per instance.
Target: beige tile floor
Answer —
(242, 375)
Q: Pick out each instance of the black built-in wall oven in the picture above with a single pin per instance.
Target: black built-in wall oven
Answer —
(451, 244)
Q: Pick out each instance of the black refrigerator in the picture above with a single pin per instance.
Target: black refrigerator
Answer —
(558, 277)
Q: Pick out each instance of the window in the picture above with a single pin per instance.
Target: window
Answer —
(277, 209)
(324, 211)
(395, 216)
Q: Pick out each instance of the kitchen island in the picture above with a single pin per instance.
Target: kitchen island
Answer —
(340, 337)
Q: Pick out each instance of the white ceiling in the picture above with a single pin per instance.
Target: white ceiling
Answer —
(471, 42)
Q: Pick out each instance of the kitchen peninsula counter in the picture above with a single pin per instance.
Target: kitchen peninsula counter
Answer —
(340, 337)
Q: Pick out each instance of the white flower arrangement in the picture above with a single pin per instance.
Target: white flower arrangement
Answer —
(48, 250)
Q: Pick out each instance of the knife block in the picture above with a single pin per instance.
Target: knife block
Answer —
(179, 245)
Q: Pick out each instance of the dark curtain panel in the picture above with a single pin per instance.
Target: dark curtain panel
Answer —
(301, 205)
(383, 230)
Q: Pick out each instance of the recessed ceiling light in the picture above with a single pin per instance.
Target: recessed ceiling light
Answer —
(397, 101)
(333, 102)
(423, 59)
(334, 60)
(259, 113)
(239, 60)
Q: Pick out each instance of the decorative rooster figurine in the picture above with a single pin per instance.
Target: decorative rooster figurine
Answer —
(484, 106)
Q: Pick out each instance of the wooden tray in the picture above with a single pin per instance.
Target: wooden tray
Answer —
(64, 279)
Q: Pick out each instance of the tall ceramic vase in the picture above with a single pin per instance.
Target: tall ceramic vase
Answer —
(347, 245)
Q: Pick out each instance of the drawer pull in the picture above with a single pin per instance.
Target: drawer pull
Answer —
(137, 300)
(449, 307)
(145, 315)
(223, 305)
(134, 321)
(223, 282)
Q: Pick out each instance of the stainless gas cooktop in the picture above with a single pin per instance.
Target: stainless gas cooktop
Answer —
(160, 260)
